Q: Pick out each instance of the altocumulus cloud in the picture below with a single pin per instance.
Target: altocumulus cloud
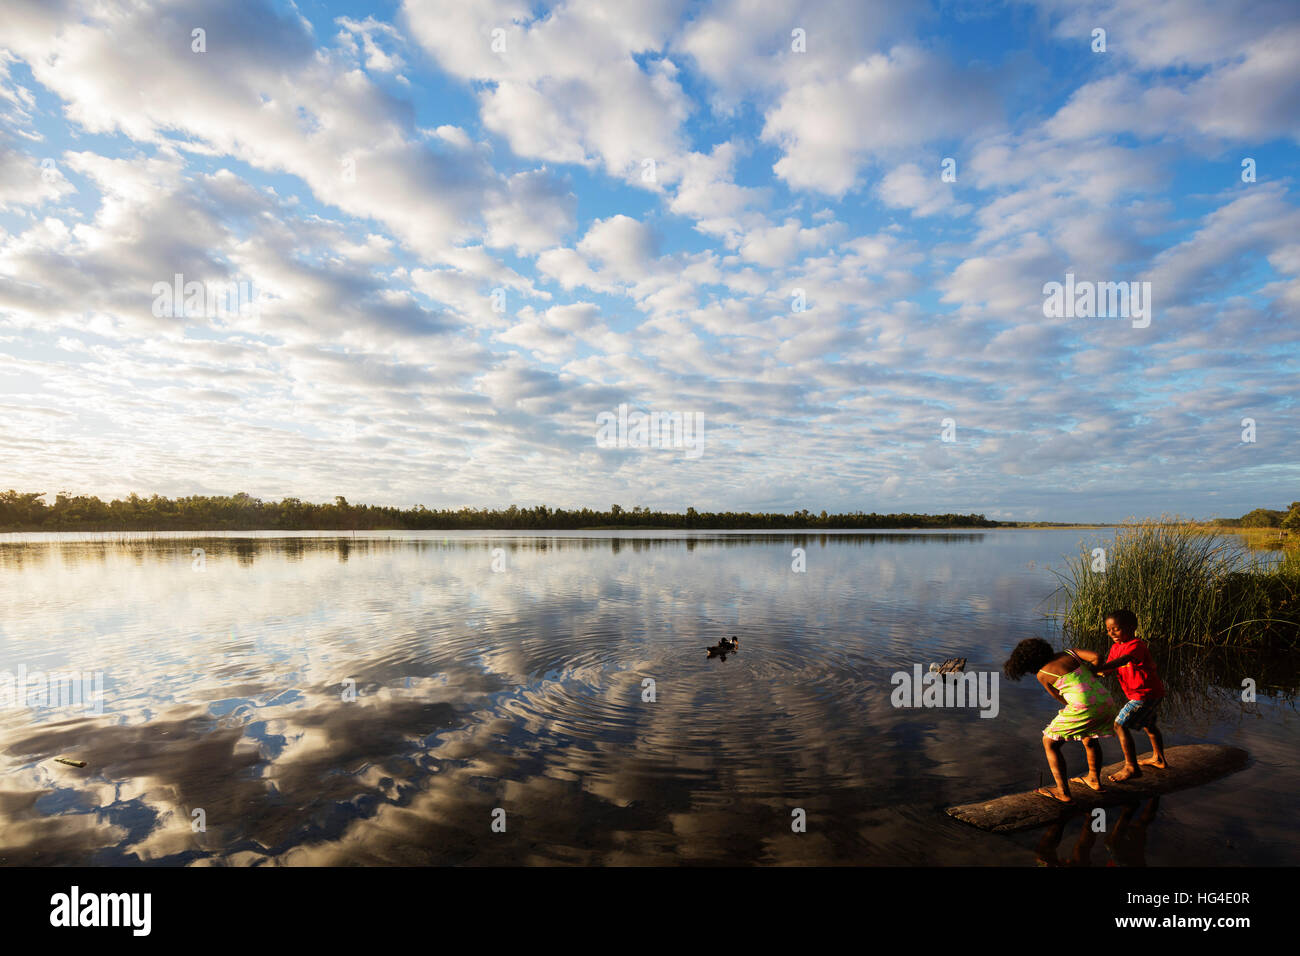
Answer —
(475, 227)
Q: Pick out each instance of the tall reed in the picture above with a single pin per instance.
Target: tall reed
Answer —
(1187, 586)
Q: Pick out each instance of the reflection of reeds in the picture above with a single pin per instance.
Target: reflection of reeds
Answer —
(1187, 586)
(1205, 685)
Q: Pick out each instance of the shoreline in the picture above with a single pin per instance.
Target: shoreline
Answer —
(793, 530)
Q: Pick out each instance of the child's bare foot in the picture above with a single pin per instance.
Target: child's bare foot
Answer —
(1054, 794)
(1119, 776)
(1090, 781)
(1154, 761)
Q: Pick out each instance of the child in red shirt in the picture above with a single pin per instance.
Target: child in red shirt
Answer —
(1131, 659)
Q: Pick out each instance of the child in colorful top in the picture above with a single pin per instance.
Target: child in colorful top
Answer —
(1130, 658)
(1088, 711)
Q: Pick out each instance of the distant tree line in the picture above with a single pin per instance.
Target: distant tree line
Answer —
(1288, 520)
(27, 511)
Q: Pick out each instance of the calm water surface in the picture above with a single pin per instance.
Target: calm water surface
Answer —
(224, 678)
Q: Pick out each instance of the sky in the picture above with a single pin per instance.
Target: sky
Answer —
(823, 234)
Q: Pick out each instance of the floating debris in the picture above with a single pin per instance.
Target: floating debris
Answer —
(951, 666)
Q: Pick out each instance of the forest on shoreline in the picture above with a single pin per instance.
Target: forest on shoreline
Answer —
(27, 511)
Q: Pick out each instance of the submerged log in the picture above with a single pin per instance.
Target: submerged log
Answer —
(1189, 765)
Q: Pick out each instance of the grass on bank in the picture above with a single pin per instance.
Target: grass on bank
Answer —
(1256, 539)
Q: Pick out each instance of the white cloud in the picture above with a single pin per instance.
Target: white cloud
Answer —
(707, 193)
(25, 182)
(625, 247)
(780, 247)
(923, 193)
(537, 213)
(369, 32)
(828, 128)
(1237, 74)
(566, 88)
(269, 100)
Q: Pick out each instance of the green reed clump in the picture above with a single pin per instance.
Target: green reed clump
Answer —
(1186, 586)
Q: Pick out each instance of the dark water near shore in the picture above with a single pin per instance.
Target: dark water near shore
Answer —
(524, 690)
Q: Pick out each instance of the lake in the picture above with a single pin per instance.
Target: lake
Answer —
(489, 698)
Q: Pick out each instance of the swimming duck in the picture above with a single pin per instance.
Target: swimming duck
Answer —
(724, 646)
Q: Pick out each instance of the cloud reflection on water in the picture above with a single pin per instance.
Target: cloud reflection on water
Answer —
(519, 690)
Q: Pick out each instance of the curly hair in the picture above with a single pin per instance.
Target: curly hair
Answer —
(1030, 655)
(1125, 618)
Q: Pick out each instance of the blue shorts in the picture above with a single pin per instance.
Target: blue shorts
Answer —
(1138, 714)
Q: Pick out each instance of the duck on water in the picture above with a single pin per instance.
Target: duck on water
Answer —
(723, 647)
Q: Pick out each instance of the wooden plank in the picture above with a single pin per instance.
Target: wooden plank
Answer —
(1189, 765)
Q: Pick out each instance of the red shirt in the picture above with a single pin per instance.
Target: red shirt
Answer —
(1138, 678)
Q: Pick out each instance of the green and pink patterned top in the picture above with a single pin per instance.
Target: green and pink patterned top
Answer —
(1089, 711)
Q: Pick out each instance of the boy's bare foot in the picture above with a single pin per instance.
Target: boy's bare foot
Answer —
(1119, 776)
(1054, 794)
(1090, 781)
(1154, 761)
